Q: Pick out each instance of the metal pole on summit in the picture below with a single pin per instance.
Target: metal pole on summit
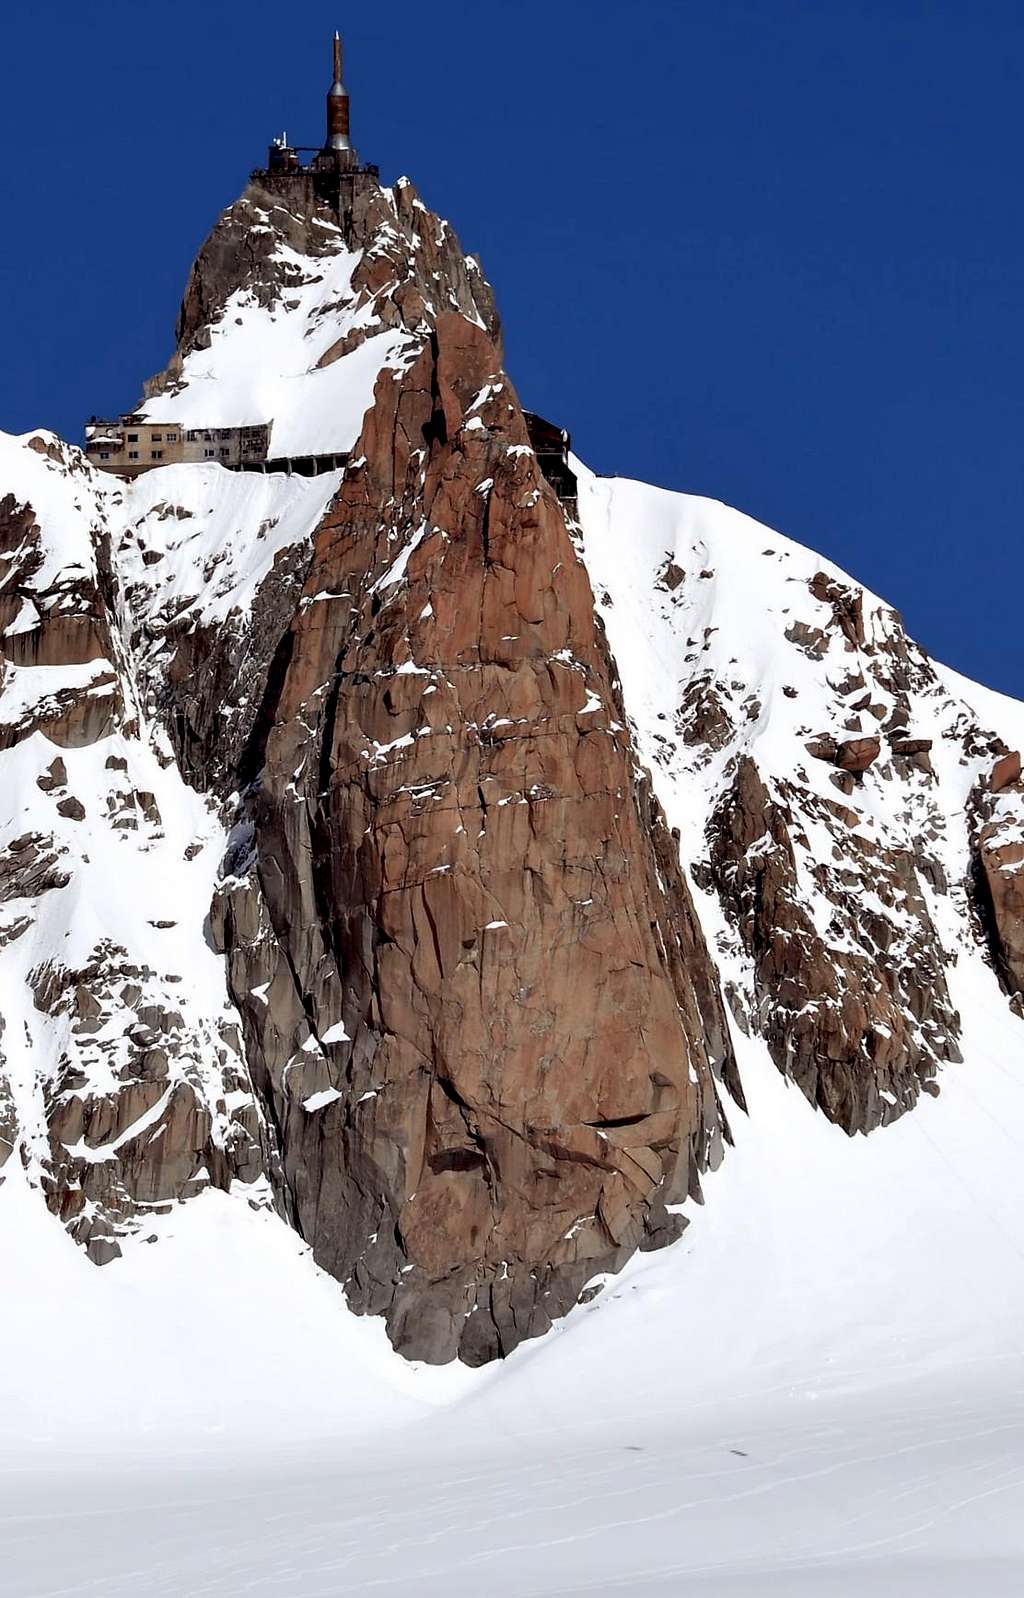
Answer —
(337, 106)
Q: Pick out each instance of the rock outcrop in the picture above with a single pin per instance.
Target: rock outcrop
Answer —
(1005, 772)
(856, 1013)
(997, 815)
(519, 1012)
(54, 623)
(485, 1021)
(1001, 859)
(130, 1092)
(8, 1120)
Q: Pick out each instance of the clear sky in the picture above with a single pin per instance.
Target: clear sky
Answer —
(765, 250)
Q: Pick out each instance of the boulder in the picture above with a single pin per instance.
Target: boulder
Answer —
(857, 754)
(1005, 772)
(823, 747)
(910, 746)
(1001, 859)
(852, 755)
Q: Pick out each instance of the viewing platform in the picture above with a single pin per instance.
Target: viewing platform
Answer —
(129, 445)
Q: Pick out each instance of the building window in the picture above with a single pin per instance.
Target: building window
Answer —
(172, 438)
(133, 454)
(156, 454)
(133, 438)
(224, 452)
(225, 432)
(209, 453)
(104, 454)
(192, 435)
(157, 438)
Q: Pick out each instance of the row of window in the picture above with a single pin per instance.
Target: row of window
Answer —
(192, 435)
(158, 454)
(253, 443)
(208, 436)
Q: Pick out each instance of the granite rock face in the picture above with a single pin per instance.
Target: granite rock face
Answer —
(477, 1003)
(8, 1121)
(997, 811)
(862, 1024)
(51, 619)
(485, 1020)
(1001, 858)
(203, 676)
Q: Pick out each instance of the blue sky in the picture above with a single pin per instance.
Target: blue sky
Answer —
(767, 252)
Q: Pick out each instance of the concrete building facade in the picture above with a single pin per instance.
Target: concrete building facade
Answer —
(131, 444)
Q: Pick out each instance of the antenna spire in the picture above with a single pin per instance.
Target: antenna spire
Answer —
(337, 108)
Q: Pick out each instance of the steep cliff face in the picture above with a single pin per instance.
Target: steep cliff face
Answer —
(996, 811)
(355, 858)
(485, 1035)
(484, 1019)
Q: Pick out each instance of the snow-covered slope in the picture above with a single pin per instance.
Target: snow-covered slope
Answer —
(268, 362)
(708, 614)
(117, 1023)
(731, 620)
(196, 543)
(290, 320)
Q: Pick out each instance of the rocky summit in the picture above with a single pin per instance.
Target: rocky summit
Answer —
(398, 841)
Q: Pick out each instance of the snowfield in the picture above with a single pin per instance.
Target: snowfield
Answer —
(820, 1390)
(818, 1393)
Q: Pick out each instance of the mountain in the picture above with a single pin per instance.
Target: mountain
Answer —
(386, 846)
(423, 884)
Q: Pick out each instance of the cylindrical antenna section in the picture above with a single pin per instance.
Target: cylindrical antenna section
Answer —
(337, 106)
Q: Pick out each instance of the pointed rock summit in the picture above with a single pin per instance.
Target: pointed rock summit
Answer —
(403, 823)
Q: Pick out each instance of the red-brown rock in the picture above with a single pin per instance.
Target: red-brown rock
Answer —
(858, 1023)
(491, 1022)
(1005, 772)
(857, 754)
